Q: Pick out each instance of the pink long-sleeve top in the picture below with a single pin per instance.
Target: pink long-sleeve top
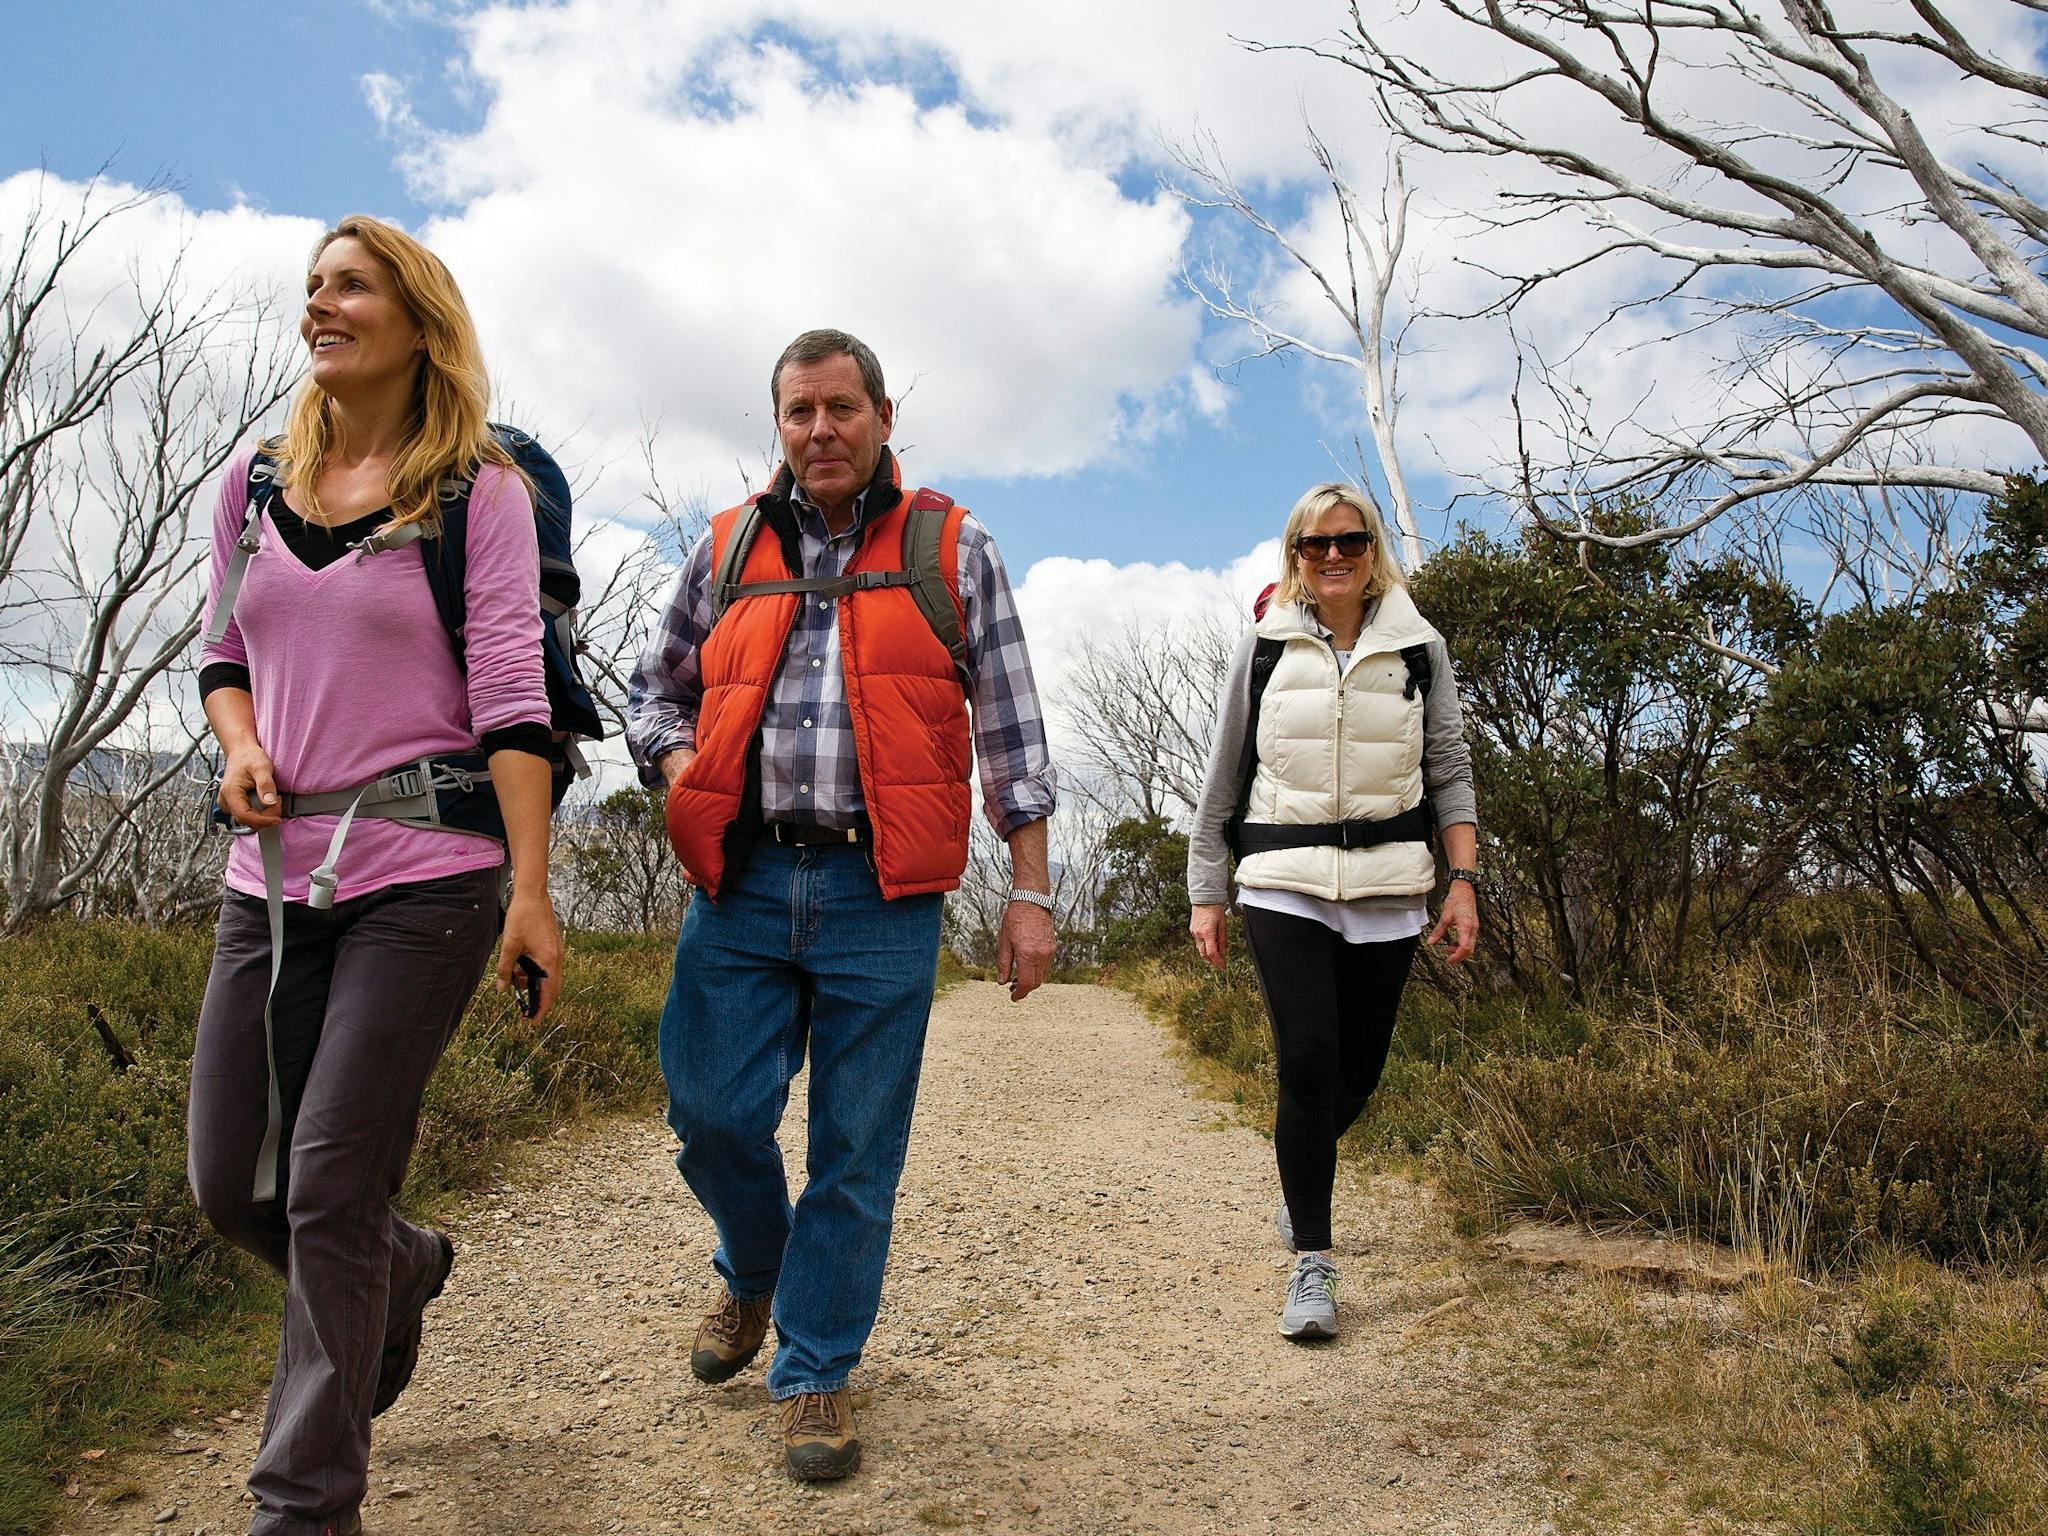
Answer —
(353, 675)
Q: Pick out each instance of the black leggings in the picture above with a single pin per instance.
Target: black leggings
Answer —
(1332, 1005)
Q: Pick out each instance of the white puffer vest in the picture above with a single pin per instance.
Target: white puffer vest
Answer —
(1334, 748)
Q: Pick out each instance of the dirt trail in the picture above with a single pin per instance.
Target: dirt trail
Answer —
(1077, 1336)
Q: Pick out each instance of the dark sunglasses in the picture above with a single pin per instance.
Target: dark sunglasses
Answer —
(1316, 546)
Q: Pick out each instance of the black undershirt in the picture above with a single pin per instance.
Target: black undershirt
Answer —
(316, 547)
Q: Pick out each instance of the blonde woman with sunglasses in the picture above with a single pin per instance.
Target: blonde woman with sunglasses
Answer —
(1339, 754)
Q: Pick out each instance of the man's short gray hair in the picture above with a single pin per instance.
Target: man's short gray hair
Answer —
(815, 347)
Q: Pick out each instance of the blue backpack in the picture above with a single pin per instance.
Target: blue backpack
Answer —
(571, 710)
(453, 792)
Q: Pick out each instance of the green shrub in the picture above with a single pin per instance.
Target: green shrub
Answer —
(1811, 1094)
(1142, 909)
(1892, 1347)
(1923, 1477)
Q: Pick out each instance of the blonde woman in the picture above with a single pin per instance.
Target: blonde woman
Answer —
(1338, 753)
(319, 1031)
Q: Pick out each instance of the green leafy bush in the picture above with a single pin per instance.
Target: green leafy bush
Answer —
(1924, 1478)
(1142, 908)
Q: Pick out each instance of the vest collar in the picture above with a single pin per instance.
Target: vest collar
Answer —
(1391, 623)
(778, 502)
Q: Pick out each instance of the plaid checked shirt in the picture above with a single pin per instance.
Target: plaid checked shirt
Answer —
(809, 772)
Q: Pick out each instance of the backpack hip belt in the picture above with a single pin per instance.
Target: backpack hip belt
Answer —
(449, 794)
(1410, 826)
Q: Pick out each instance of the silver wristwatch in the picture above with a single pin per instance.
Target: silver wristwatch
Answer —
(1036, 898)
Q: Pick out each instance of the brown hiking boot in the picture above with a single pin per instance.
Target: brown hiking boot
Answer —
(817, 1435)
(728, 1338)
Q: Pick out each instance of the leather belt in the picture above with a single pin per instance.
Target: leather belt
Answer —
(795, 834)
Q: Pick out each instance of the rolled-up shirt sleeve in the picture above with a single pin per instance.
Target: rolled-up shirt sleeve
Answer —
(1018, 784)
(667, 685)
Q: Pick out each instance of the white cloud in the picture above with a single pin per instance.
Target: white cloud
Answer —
(654, 197)
(654, 202)
(1064, 603)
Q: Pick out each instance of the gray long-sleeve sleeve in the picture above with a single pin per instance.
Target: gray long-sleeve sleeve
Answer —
(1446, 766)
(1208, 859)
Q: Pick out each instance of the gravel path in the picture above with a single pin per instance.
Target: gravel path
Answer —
(1077, 1336)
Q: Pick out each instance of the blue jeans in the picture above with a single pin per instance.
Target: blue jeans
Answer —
(800, 949)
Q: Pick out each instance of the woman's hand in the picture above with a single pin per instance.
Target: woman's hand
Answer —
(1460, 920)
(1205, 922)
(531, 930)
(248, 787)
(522, 780)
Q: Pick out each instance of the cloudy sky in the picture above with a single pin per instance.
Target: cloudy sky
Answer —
(643, 199)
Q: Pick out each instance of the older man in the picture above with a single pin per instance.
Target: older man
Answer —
(806, 701)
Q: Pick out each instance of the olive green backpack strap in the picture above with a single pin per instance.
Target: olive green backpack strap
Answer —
(924, 526)
(725, 577)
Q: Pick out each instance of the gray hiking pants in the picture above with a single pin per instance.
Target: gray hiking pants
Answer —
(369, 994)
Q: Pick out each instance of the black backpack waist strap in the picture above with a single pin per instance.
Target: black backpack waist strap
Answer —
(1410, 826)
(825, 586)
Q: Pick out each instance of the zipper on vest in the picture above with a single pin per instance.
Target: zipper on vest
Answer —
(1337, 747)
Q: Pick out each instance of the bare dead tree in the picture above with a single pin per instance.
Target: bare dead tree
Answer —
(1374, 239)
(105, 449)
(613, 866)
(54, 377)
(1141, 708)
(166, 860)
(974, 911)
(1892, 288)
(621, 609)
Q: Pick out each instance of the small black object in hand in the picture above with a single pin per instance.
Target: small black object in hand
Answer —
(531, 975)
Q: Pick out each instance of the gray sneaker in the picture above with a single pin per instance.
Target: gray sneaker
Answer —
(1285, 1224)
(1311, 1310)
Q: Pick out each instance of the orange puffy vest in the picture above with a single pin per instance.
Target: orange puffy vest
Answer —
(909, 715)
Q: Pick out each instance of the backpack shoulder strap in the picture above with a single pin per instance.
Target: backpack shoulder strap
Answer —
(445, 558)
(1265, 657)
(924, 528)
(725, 575)
(261, 485)
(1420, 673)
